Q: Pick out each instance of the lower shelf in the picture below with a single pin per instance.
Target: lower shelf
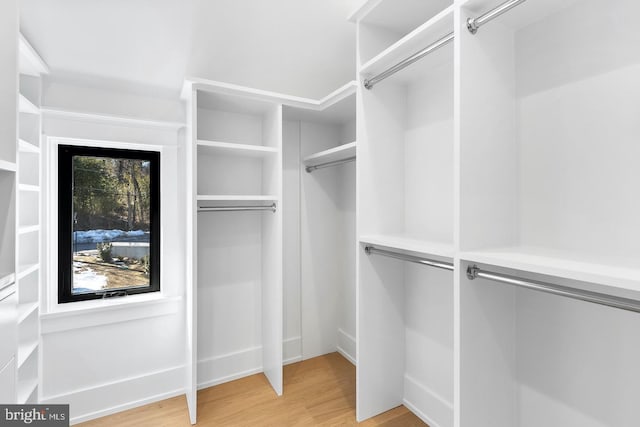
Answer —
(608, 272)
(27, 391)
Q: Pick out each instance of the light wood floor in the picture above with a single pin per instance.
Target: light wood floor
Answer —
(319, 391)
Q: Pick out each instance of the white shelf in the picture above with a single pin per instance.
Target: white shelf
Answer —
(6, 279)
(28, 187)
(609, 272)
(405, 243)
(26, 350)
(25, 310)
(26, 389)
(236, 149)
(26, 106)
(8, 166)
(429, 32)
(31, 63)
(28, 229)
(25, 270)
(335, 154)
(236, 198)
(27, 147)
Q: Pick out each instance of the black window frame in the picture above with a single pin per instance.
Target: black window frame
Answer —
(66, 153)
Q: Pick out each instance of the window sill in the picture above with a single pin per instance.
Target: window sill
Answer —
(86, 314)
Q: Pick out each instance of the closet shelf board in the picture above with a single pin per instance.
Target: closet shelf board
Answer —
(236, 198)
(6, 279)
(27, 187)
(25, 310)
(230, 148)
(27, 269)
(8, 166)
(610, 273)
(341, 152)
(27, 147)
(31, 63)
(25, 350)
(26, 106)
(28, 229)
(405, 243)
(432, 30)
(26, 389)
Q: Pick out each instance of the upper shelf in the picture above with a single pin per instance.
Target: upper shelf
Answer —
(426, 34)
(26, 106)
(236, 198)
(614, 273)
(237, 149)
(31, 63)
(7, 166)
(342, 152)
(409, 244)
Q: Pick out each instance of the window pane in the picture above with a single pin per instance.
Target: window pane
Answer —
(111, 223)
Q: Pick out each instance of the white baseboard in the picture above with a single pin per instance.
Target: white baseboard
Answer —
(347, 346)
(292, 350)
(228, 367)
(106, 399)
(428, 405)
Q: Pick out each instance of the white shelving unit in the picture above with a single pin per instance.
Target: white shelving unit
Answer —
(512, 150)
(29, 205)
(320, 227)
(235, 160)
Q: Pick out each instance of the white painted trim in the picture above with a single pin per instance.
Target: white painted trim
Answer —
(54, 141)
(104, 312)
(196, 83)
(109, 118)
(230, 366)
(347, 346)
(292, 350)
(431, 398)
(363, 10)
(417, 412)
(124, 384)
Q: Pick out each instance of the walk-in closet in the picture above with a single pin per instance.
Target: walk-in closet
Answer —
(329, 212)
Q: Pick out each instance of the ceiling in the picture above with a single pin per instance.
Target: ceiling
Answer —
(299, 47)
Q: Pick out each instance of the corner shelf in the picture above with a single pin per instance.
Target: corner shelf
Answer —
(25, 310)
(230, 148)
(26, 106)
(25, 270)
(342, 152)
(28, 229)
(8, 166)
(26, 389)
(27, 147)
(405, 243)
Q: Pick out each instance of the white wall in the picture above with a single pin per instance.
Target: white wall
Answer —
(106, 359)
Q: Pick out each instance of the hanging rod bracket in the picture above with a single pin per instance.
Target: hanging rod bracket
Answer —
(473, 24)
(367, 250)
(367, 84)
(472, 272)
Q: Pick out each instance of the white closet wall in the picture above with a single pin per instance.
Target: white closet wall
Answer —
(327, 226)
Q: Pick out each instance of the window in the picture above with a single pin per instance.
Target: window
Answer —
(108, 222)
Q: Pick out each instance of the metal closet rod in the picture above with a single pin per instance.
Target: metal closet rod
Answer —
(369, 83)
(474, 23)
(310, 169)
(271, 208)
(628, 304)
(424, 261)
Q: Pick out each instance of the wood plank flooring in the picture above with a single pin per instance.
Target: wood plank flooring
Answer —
(317, 392)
